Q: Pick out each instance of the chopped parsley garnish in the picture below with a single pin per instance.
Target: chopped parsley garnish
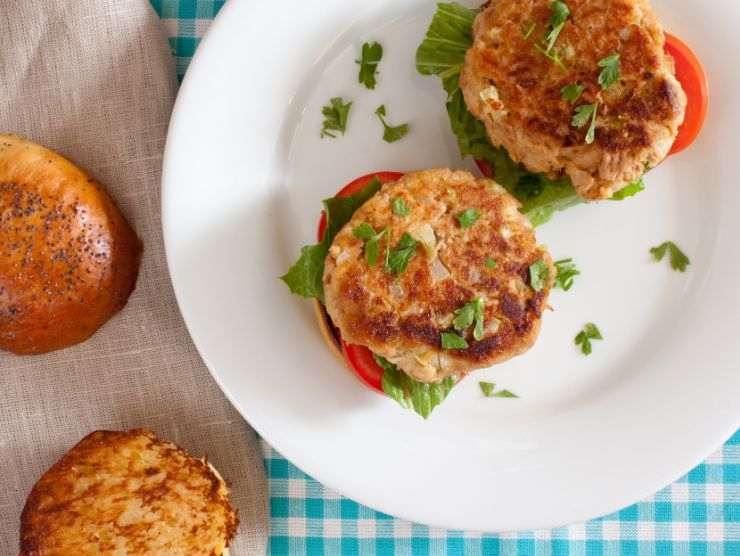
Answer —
(584, 337)
(409, 393)
(488, 389)
(553, 55)
(572, 92)
(366, 233)
(335, 117)
(371, 55)
(469, 313)
(400, 208)
(490, 263)
(468, 217)
(679, 261)
(390, 133)
(450, 340)
(305, 277)
(581, 118)
(504, 394)
(539, 275)
(399, 258)
(529, 30)
(560, 13)
(566, 272)
(610, 70)
(363, 231)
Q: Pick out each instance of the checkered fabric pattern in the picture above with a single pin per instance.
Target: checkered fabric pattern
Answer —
(186, 22)
(697, 515)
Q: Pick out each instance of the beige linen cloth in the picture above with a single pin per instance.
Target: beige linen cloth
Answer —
(94, 79)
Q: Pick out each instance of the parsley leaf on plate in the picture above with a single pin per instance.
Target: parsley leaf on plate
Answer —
(571, 93)
(679, 261)
(335, 117)
(566, 272)
(560, 13)
(371, 55)
(399, 258)
(400, 208)
(305, 277)
(391, 134)
(450, 340)
(539, 275)
(488, 389)
(468, 217)
(410, 393)
(504, 394)
(610, 70)
(584, 337)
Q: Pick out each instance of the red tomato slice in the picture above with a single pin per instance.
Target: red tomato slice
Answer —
(353, 187)
(690, 74)
(484, 168)
(360, 358)
(363, 363)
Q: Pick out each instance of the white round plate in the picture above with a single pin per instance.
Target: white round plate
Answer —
(245, 172)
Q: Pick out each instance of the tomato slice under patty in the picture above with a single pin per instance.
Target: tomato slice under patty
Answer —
(359, 358)
(690, 74)
(353, 187)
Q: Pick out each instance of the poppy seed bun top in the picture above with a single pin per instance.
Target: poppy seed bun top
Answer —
(127, 493)
(402, 316)
(511, 86)
(68, 259)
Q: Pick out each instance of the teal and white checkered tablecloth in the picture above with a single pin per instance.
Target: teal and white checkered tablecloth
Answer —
(698, 514)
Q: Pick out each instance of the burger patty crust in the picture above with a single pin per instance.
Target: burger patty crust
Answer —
(402, 316)
(511, 85)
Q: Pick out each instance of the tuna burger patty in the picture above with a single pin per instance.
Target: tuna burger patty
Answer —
(526, 80)
(440, 274)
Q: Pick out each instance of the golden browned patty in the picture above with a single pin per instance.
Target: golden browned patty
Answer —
(402, 316)
(516, 90)
(127, 493)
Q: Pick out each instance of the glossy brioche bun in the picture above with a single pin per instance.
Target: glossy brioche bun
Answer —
(128, 493)
(68, 259)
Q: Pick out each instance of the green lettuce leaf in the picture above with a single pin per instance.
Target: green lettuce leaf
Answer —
(305, 277)
(442, 53)
(449, 36)
(409, 393)
(629, 191)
